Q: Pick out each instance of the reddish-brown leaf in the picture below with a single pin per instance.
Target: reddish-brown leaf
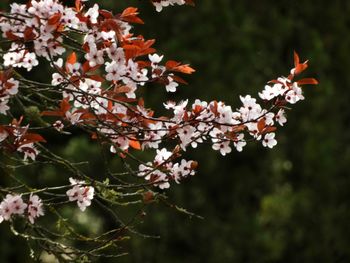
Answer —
(87, 116)
(33, 137)
(96, 78)
(110, 24)
(135, 144)
(238, 128)
(28, 34)
(86, 67)
(105, 14)
(54, 19)
(131, 51)
(269, 129)
(72, 58)
(130, 15)
(296, 59)
(172, 65)
(65, 106)
(122, 89)
(11, 36)
(52, 113)
(307, 81)
(261, 124)
(298, 67)
(179, 80)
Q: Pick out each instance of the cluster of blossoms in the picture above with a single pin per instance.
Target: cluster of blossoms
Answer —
(8, 88)
(97, 68)
(14, 205)
(107, 104)
(159, 4)
(40, 23)
(163, 169)
(81, 193)
(15, 137)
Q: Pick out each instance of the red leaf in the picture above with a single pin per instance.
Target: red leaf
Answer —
(105, 14)
(130, 11)
(65, 106)
(111, 24)
(28, 34)
(87, 68)
(185, 69)
(176, 66)
(122, 89)
(298, 67)
(135, 144)
(72, 58)
(131, 51)
(33, 137)
(306, 81)
(130, 15)
(170, 64)
(52, 113)
(296, 59)
(96, 78)
(54, 19)
(87, 116)
(11, 36)
(269, 129)
(179, 80)
(261, 125)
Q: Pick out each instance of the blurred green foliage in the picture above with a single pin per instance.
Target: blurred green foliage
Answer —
(289, 204)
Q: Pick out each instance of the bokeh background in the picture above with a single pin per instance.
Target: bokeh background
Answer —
(289, 204)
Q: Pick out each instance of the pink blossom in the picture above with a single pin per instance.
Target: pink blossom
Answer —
(35, 208)
(12, 205)
(223, 147)
(93, 14)
(29, 151)
(269, 140)
(171, 86)
(80, 193)
(281, 117)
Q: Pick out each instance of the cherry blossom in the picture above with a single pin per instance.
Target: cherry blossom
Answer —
(29, 61)
(171, 86)
(35, 208)
(239, 142)
(93, 14)
(281, 117)
(223, 147)
(159, 4)
(155, 59)
(81, 193)
(29, 151)
(12, 205)
(95, 56)
(269, 140)
(58, 125)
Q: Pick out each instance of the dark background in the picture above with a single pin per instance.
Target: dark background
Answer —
(289, 204)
